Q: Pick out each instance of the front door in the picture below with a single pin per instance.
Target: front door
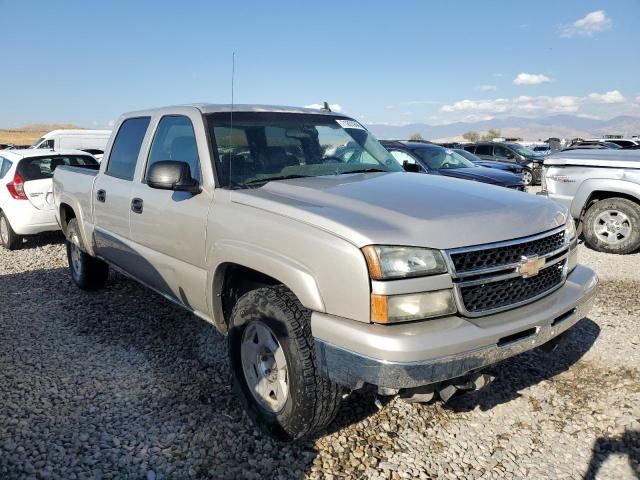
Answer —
(168, 227)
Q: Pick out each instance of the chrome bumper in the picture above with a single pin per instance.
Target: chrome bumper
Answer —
(352, 353)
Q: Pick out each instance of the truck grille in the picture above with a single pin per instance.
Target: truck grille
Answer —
(489, 296)
(487, 278)
(468, 261)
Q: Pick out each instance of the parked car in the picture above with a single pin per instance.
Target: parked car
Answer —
(26, 198)
(592, 145)
(601, 188)
(327, 271)
(436, 160)
(509, 167)
(512, 153)
(93, 141)
(621, 142)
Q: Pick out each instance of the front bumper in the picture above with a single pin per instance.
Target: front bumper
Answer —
(421, 353)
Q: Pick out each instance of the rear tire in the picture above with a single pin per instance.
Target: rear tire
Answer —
(8, 238)
(612, 225)
(87, 272)
(282, 391)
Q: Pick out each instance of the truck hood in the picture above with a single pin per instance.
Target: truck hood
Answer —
(406, 209)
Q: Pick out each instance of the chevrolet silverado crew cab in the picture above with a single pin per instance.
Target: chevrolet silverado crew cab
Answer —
(328, 267)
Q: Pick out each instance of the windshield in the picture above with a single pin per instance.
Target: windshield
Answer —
(35, 144)
(468, 155)
(38, 168)
(438, 158)
(524, 151)
(260, 147)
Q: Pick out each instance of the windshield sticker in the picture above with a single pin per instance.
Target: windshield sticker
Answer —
(350, 124)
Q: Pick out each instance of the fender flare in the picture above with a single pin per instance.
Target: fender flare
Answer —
(588, 187)
(291, 273)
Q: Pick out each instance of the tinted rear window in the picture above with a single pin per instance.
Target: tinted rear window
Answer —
(38, 168)
(484, 150)
(126, 147)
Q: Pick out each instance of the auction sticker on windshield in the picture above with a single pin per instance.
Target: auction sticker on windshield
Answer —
(349, 124)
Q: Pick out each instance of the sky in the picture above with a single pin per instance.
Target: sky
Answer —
(397, 62)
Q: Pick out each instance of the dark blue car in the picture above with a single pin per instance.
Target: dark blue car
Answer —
(507, 167)
(437, 160)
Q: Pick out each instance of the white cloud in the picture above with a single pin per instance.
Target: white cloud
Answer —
(613, 96)
(522, 105)
(591, 23)
(335, 107)
(487, 88)
(530, 79)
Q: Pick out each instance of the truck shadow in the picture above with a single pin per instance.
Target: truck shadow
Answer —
(628, 444)
(530, 368)
(151, 368)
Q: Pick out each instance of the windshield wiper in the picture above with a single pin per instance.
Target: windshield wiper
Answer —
(269, 179)
(362, 170)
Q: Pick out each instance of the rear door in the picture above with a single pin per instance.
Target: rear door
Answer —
(169, 228)
(112, 193)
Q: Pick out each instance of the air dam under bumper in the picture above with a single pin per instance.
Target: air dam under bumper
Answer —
(420, 353)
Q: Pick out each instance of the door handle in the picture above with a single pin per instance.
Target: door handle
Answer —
(101, 195)
(136, 205)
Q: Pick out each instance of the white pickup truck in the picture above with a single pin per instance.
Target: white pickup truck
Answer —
(298, 235)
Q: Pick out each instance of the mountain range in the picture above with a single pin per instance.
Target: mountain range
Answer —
(561, 126)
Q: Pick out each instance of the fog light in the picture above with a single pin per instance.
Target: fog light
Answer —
(414, 306)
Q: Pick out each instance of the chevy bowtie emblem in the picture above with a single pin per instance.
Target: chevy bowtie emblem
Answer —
(530, 266)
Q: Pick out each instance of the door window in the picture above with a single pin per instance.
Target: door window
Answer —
(126, 147)
(503, 152)
(175, 140)
(5, 165)
(402, 157)
(484, 150)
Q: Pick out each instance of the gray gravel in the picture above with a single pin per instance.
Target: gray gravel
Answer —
(110, 385)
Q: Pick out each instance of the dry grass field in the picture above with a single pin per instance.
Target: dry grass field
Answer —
(30, 133)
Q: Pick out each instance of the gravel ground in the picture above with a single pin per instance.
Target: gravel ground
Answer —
(109, 385)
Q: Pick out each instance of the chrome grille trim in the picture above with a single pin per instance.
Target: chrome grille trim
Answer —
(504, 272)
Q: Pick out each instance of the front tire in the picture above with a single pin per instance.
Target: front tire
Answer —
(272, 356)
(8, 238)
(612, 225)
(527, 177)
(87, 272)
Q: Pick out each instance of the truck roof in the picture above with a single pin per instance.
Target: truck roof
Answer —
(596, 158)
(223, 108)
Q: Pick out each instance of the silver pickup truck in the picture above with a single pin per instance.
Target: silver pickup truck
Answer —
(328, 267)
(601, 189)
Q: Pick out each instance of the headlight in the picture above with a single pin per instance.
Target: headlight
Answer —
(570, 230)
(413, 306)
(387, 262)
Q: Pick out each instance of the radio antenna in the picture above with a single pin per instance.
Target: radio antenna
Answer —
(233, 74)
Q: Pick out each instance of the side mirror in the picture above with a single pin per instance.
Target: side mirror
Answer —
(172, 175)
(411, 167)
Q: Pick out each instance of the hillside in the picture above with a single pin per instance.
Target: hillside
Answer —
(562, 126)
(30, 133)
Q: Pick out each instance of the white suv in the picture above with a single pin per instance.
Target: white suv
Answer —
(26, 190)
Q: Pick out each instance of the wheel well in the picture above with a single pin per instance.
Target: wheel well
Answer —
(66, 214)
(602, 195)
(238, 280)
